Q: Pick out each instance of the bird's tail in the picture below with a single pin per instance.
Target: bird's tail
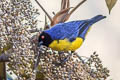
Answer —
(97, 18)
(86, 27)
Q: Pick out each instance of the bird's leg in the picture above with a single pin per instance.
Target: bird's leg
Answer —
(60, 55)
(66, 59)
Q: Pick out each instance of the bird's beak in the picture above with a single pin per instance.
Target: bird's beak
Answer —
(40, 43)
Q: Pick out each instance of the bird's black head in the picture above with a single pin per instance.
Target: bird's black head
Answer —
(44, 39)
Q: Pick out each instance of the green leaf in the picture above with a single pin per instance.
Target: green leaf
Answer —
(110, 4)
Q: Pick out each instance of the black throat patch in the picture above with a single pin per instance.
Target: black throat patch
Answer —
(47, 40)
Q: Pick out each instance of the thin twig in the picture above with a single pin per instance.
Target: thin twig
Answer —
(65, 4)
(44, 10)
(68, 3)
(46, 24)
(34, 30)
(77, 7)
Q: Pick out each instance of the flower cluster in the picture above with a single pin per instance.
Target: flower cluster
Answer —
(17, 17)
(52, 66)
(97, 69)
(75, 68)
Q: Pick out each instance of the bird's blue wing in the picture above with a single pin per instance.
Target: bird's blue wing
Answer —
(67, 30)
(73, 29)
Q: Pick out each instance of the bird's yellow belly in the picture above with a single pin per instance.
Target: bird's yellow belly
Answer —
(65, 45)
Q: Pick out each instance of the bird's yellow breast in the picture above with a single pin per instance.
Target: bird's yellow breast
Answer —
(65, 45)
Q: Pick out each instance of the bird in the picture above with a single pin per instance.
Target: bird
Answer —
(67, 36)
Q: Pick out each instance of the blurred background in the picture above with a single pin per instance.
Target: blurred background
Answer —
(103, 37)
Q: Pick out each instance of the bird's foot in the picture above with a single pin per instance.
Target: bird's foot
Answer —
(63, 61)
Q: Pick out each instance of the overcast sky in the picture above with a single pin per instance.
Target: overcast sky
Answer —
(104, 36)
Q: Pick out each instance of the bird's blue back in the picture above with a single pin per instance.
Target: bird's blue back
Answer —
(73, 29)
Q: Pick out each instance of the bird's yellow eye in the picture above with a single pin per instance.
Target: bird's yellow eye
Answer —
(42, 37)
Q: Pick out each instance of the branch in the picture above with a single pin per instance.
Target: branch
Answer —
(46, 26)
(67, 15)
(60, 16)
(34, 30)
(77, 6)
(68, 4)
(62, 4)
(44, 10)
(65, 4)
(4, 58)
